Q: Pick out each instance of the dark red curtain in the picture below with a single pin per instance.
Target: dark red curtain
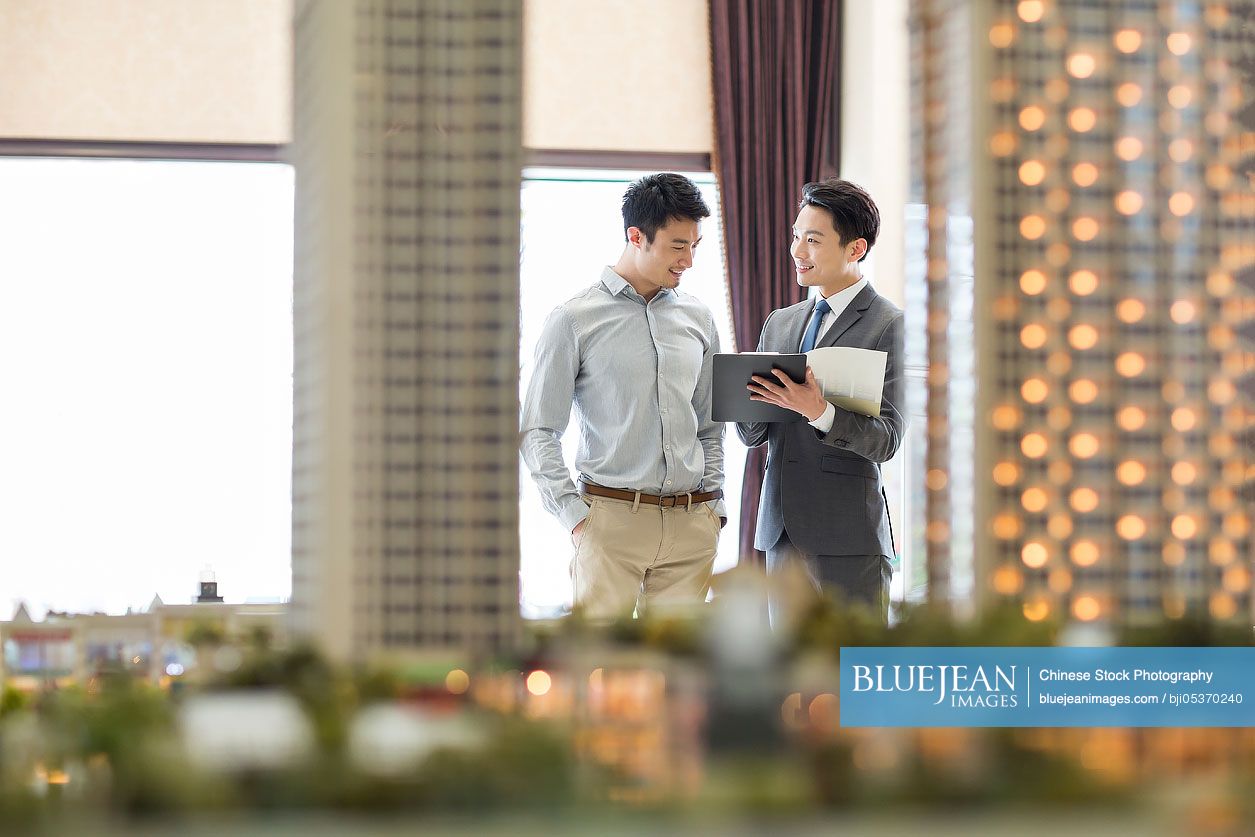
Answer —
(775, 70)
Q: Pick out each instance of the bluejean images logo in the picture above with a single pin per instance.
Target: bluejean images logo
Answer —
(1047, 687)
(962, 686)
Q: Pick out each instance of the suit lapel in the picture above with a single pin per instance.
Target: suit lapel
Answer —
(851, 315)
(793, 328)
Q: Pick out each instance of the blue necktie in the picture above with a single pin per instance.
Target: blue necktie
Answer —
(812, 333)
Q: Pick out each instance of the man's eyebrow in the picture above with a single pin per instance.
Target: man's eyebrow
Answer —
(684, 240)
(809, 232)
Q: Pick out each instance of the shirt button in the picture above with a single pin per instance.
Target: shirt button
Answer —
(666, 447)
(668, 482)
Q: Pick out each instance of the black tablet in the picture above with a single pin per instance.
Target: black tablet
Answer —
(733, 372)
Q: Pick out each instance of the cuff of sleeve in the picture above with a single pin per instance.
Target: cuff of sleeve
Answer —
(720, 508)
(824, 423)
(572, 513)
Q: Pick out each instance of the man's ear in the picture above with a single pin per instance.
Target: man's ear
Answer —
(636, 236)
(858, 249)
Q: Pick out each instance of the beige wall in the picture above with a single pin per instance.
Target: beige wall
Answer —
(599, 74)
(152, 70)
(619, 76)
(875, 130)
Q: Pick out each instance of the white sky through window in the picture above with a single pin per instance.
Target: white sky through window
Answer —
(145, 381)
(146, 374)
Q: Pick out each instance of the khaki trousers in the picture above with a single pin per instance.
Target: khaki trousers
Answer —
(643, 556)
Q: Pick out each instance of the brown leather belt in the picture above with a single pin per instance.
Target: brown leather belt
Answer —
(666, 501)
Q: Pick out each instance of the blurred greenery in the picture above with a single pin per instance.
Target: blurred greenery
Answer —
(1192, 631)
(827, 626)
(205, 634)
(524, 766)
(114, 746)
(11, 700)
(328, 695)
(121, 731)
(1012, 774)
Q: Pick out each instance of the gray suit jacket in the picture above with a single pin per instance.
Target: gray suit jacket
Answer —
(825, 490)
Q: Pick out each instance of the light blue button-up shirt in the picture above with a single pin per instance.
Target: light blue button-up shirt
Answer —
(639, 375)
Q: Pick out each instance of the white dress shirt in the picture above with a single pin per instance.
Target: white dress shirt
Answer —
(838, 302)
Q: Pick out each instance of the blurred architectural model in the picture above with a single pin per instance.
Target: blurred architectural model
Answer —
(405, 489)
(155, 644)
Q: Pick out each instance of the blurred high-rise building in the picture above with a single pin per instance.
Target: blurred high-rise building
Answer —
(1090, 262)
(405, 496)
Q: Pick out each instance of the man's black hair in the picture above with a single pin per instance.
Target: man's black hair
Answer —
(654, 200)
(854, 213)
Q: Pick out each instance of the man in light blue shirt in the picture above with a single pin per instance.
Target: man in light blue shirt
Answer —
(633, 355)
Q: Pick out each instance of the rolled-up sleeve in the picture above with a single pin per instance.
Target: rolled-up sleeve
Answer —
(546, 412)
(709, 431)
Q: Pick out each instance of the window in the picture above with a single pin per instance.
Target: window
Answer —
(571, 228)
(146, 365)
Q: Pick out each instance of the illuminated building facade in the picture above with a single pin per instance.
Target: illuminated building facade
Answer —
(1108, 179)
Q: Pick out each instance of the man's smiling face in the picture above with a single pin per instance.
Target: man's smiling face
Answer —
(818, 256)
(662, 262)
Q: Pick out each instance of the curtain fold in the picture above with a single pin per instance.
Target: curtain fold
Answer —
(775, 83)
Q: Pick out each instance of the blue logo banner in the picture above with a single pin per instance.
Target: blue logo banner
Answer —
(1047, 687)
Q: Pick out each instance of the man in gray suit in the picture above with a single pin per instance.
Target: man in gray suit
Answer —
(823, 509)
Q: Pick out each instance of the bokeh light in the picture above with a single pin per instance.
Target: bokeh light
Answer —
(1128, 148)
(1084, 174)
(1179, 43)
(1032, 172)
(1127, 40)
(1083, 282)
(1131, 472)
(1034, 445)
(1032, 118)
(1034, 555)
(1083, 391)
(1032, 227)
(1084, 553)
(1032, 282)
(1081, 64)
(1131, 527)
(1131, 418)
(1034, 390)
(1030, 11)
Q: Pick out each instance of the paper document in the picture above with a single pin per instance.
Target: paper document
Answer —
(850, 378)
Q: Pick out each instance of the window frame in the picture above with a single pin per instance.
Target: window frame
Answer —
(140, 150)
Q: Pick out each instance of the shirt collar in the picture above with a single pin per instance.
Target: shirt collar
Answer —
(839, 301)
(613, 281)
(616, 285)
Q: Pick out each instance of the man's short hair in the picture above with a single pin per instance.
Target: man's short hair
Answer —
(854, 213)
(654, 200)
